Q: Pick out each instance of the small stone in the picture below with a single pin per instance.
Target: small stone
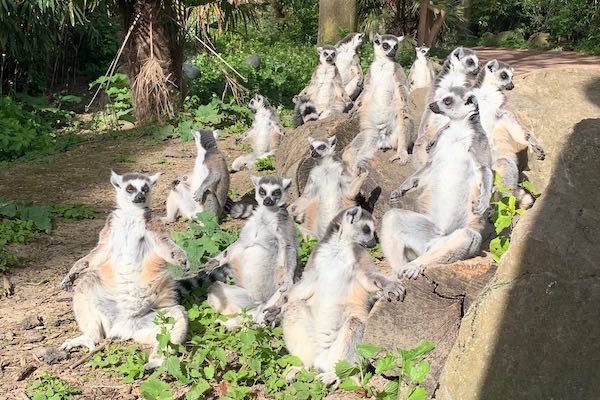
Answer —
(31, 321)
(50, 355)
(34, 338)
(254, 61)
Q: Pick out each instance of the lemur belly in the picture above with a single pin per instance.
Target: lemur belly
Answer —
(450, 187)
(199, 175)
(383, 89)
(325, 91)
(421, 74)
(344, 62)
(263, 129)
(329, 179)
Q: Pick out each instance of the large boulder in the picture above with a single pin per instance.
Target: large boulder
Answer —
(533, 332)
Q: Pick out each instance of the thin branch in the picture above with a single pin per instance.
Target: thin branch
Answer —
(90, 354)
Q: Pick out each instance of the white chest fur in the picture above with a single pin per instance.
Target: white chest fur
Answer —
(200, 170)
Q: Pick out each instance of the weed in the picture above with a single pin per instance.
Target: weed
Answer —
(119, 94)
(203, 239)
(409, 366)
(125, 158)
(128, 362)
(50, 387)
(306, 246)
(75, 211)
(265, 163)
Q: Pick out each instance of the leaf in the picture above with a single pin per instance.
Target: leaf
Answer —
(209, 372)
(418, 372)
(423, 348)
(417, 393)
(367, 350)
(155, 389)
(349, 385)
(502, 223)
(197, 390)
(344, 369)
(499, 246)
(173, 367)
(385, 364)
(288, 360)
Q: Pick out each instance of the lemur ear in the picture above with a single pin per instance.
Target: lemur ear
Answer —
(255, 180)
(196, 134)
(458, 52)
(311, 139)
(400, 39)
(377, 39)
(492, 65)
(116, 179)
(332, 141)
(154, 178)
(319, 50)
(352, 214)
(216, 134)
(287, 182)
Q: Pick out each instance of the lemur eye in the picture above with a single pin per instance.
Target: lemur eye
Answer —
(470, 61)
(276, 193)
(395, 47)
(469, 100)
(504, 75)
(130, 189)
(146, 188)
(386, 46)
(448, 101)
(366, 230)
(262, 192)
(321, 147)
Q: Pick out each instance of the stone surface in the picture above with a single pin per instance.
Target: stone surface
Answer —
(50, 355)
(31, 321)
(432, 310)
(533, 333)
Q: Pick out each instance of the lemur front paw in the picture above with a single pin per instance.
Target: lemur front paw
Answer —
(270, 314)
(394, 291)
(539, 152)
(67, 282)
(411, 271)
(329, 379)
(211, 265)
(479, 206)
(180, 258)
(408, 184)
(401, 157)
(362, 165)
(198, 194)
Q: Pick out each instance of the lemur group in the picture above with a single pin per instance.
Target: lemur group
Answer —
(467, 131)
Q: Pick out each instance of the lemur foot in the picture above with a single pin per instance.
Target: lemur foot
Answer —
(291, 374)
(80, 341)
(394, 291)
(402, 158)
(67, 282)
(411, 271)
(329, 379)
(539, 152)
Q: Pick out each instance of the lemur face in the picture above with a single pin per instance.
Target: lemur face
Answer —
(422, 51)
(205, 139)
(271, 191)
(357, 40)
(502, 72)
(360, 225)
(387, 45)
(258, 101)
(456, 103)
(468, 59)
(327, 54)
(322, 148)
(133, 189)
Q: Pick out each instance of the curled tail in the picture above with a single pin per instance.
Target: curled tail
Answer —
(305, 110)
(188, 285)
(239, 209)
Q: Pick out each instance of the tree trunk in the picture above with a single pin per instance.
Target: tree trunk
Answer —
(435, 28)
(333, 16)
(155, 50)
(422, 31)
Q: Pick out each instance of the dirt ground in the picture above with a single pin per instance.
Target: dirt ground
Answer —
(82, 175)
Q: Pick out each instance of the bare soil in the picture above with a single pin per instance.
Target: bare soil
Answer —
(82, 175)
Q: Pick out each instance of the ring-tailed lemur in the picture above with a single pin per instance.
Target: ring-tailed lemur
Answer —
(207, 186)
(421, 73)
(124, 281)
(457, 182)
(325, 90)
(325, 313)
(263, 260)
(458, 66)
(348, 63)
(506, 135)
(385, 121)
(329, 189)
(265, 134)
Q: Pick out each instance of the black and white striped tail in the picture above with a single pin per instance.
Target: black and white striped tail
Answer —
(188, 285)
(238, 209)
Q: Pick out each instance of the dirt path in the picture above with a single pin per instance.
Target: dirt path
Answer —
(526, 60)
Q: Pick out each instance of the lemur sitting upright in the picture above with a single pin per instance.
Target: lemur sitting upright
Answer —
(124, 281)
(348, 63)
(421, 73)
(263, 260)
(264, 134)
(206, 189)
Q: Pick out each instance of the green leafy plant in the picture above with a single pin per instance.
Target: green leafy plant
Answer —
(409, 365)
(265, 164)
(127, 362)
(50, 387)
(203, 239)
(305, 248)
(504, 212)
(75, 211)
(119, 93)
